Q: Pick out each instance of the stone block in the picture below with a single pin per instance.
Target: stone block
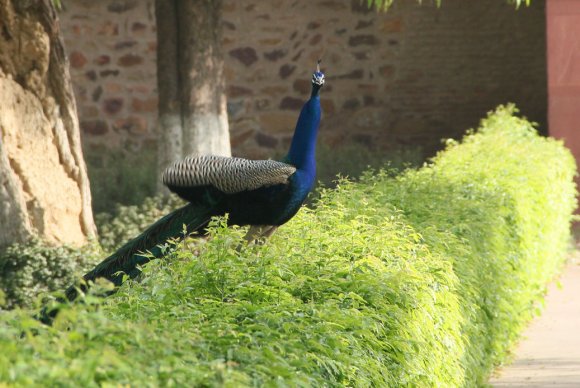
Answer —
(121, 6)
(108, 28)
(148, 105)
(291, 103)
(94, 127)
(96, 95)
(125, 44)
(77, 60)
(91, 75)
(238, 139)
(234, 91)
(367, 40)
(364, 24)
(315, 39)
(109, 73)
(133, 124)
(266, 141)
(392, 25)
(286, 70)
(246, 55)
(138, 28)
(102, 60)
(113, 106)
(274, 55)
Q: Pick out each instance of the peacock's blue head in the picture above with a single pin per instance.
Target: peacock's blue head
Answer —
(317, 79)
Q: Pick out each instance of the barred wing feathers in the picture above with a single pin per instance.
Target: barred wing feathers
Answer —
(227, 174)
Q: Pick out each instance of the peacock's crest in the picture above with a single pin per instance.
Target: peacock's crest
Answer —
(318, 76)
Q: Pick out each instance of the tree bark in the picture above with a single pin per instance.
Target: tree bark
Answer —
(44, 188)
(191, 86)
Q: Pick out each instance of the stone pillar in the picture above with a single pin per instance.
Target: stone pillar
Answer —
(563, 25)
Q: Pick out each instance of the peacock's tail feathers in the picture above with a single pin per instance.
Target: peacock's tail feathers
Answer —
(227, 174)
(147, 246)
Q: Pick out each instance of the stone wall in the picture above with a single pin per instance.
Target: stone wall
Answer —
(407, 77)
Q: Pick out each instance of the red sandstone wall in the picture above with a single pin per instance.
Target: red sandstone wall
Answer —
(407, 77)
(563, 19)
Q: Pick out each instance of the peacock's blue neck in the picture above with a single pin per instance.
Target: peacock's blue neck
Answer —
(302, 152)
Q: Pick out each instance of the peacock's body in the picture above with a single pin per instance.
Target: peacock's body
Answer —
(264, 194)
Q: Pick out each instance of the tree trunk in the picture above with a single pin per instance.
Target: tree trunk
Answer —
(44, 188)
(192, 101)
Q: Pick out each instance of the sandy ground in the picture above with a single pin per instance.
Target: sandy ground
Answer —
(549, 353)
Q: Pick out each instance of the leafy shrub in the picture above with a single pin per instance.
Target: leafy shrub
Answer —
(424, 279)
(354, 159)
(119, 177)
(27, 270)
(126, 222)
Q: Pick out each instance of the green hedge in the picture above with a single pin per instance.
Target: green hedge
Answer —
(28, 270)
(425, 279)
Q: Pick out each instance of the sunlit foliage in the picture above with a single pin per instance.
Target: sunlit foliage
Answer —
(425, 279)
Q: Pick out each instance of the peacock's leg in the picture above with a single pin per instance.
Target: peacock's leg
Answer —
(258, 234)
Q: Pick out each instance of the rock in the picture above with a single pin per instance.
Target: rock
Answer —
(267, 141)
(128, 60)
(387, 71)
(270, 41)
(240, 138)
(246, 55)
(96, 95)
(108, 29)
(91, 75)
(113, 105)
(315, 40)
(363, 24)
(313, 25)
(94, 127)
(392, 25)
(138, 27)
(133, 124)
(125, 44)
(77, 60)
(109, 72)
(357, 40)
(234, 91)
(274, 55)
(228, 25)
(291, 103)
(234, 107)
(147, 105)
(120, 6)
(102, 60)
(286, 70)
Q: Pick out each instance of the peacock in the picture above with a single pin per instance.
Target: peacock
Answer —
(263, 194)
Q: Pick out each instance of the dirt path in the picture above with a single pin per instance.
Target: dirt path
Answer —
(549, 354)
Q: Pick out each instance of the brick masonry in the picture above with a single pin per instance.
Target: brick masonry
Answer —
(564, 72)
(410, 76)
